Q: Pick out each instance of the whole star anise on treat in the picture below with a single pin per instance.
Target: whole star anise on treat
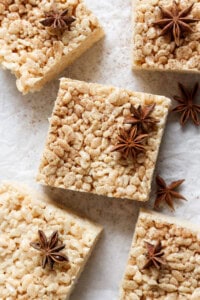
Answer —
(141, 117)
(50, 249)
(187, 108)
(58, 20)
(130, 143)
(176, 21)
(166, 193)
(154, 255)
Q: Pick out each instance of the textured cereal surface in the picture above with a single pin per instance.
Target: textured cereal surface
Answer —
(34, 53)
(152, 51)
(83, 130)
(21, 274)
(180, 278)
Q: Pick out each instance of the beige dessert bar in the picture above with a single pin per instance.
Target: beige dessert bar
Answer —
(152, 51)
(83, 130)
(21, 274)
(179, 278)
(36, 54)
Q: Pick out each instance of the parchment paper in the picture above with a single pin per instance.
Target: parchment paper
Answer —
(23, 129)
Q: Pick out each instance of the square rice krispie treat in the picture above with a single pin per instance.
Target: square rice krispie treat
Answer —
(166, 35)
(89, 147)
(46, 264)
(40, 38)
(164, 261)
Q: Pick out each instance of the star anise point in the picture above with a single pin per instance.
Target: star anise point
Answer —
(130, 143)
(176, 21)
(50, 249)
(141, 118)
(187, 108)
(166, 193)
(58, 19)
(154, 255)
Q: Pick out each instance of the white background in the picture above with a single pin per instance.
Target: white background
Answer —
(23, 129)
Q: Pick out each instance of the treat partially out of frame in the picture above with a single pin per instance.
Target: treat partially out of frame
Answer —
(22, 214)
(36, 53)
(178, 277)
(157, 49)
(84, 128)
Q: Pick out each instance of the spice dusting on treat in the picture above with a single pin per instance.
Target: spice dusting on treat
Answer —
(141, 117)
(50, 249)
(130, 143)
(166, 193)
(154, 255)
(58, 20)
(176, 21)
(187, 108)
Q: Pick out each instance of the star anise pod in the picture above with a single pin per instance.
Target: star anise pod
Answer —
(154, 255)
(176, 21)
(50, 249)
(141, 117)
(58, 20)
(187, 108)
(130, 143)
(166, 193)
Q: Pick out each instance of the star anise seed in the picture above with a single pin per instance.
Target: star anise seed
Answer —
(58, 20)
(166, 193)
(154, 255)
(176, 21)
(130, 143)
(141, 117)
(187, 108)
(50, 249)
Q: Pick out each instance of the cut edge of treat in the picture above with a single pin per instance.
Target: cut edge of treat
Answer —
(168, 219)
(36, 196)
(63, 63)
(136, 67)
